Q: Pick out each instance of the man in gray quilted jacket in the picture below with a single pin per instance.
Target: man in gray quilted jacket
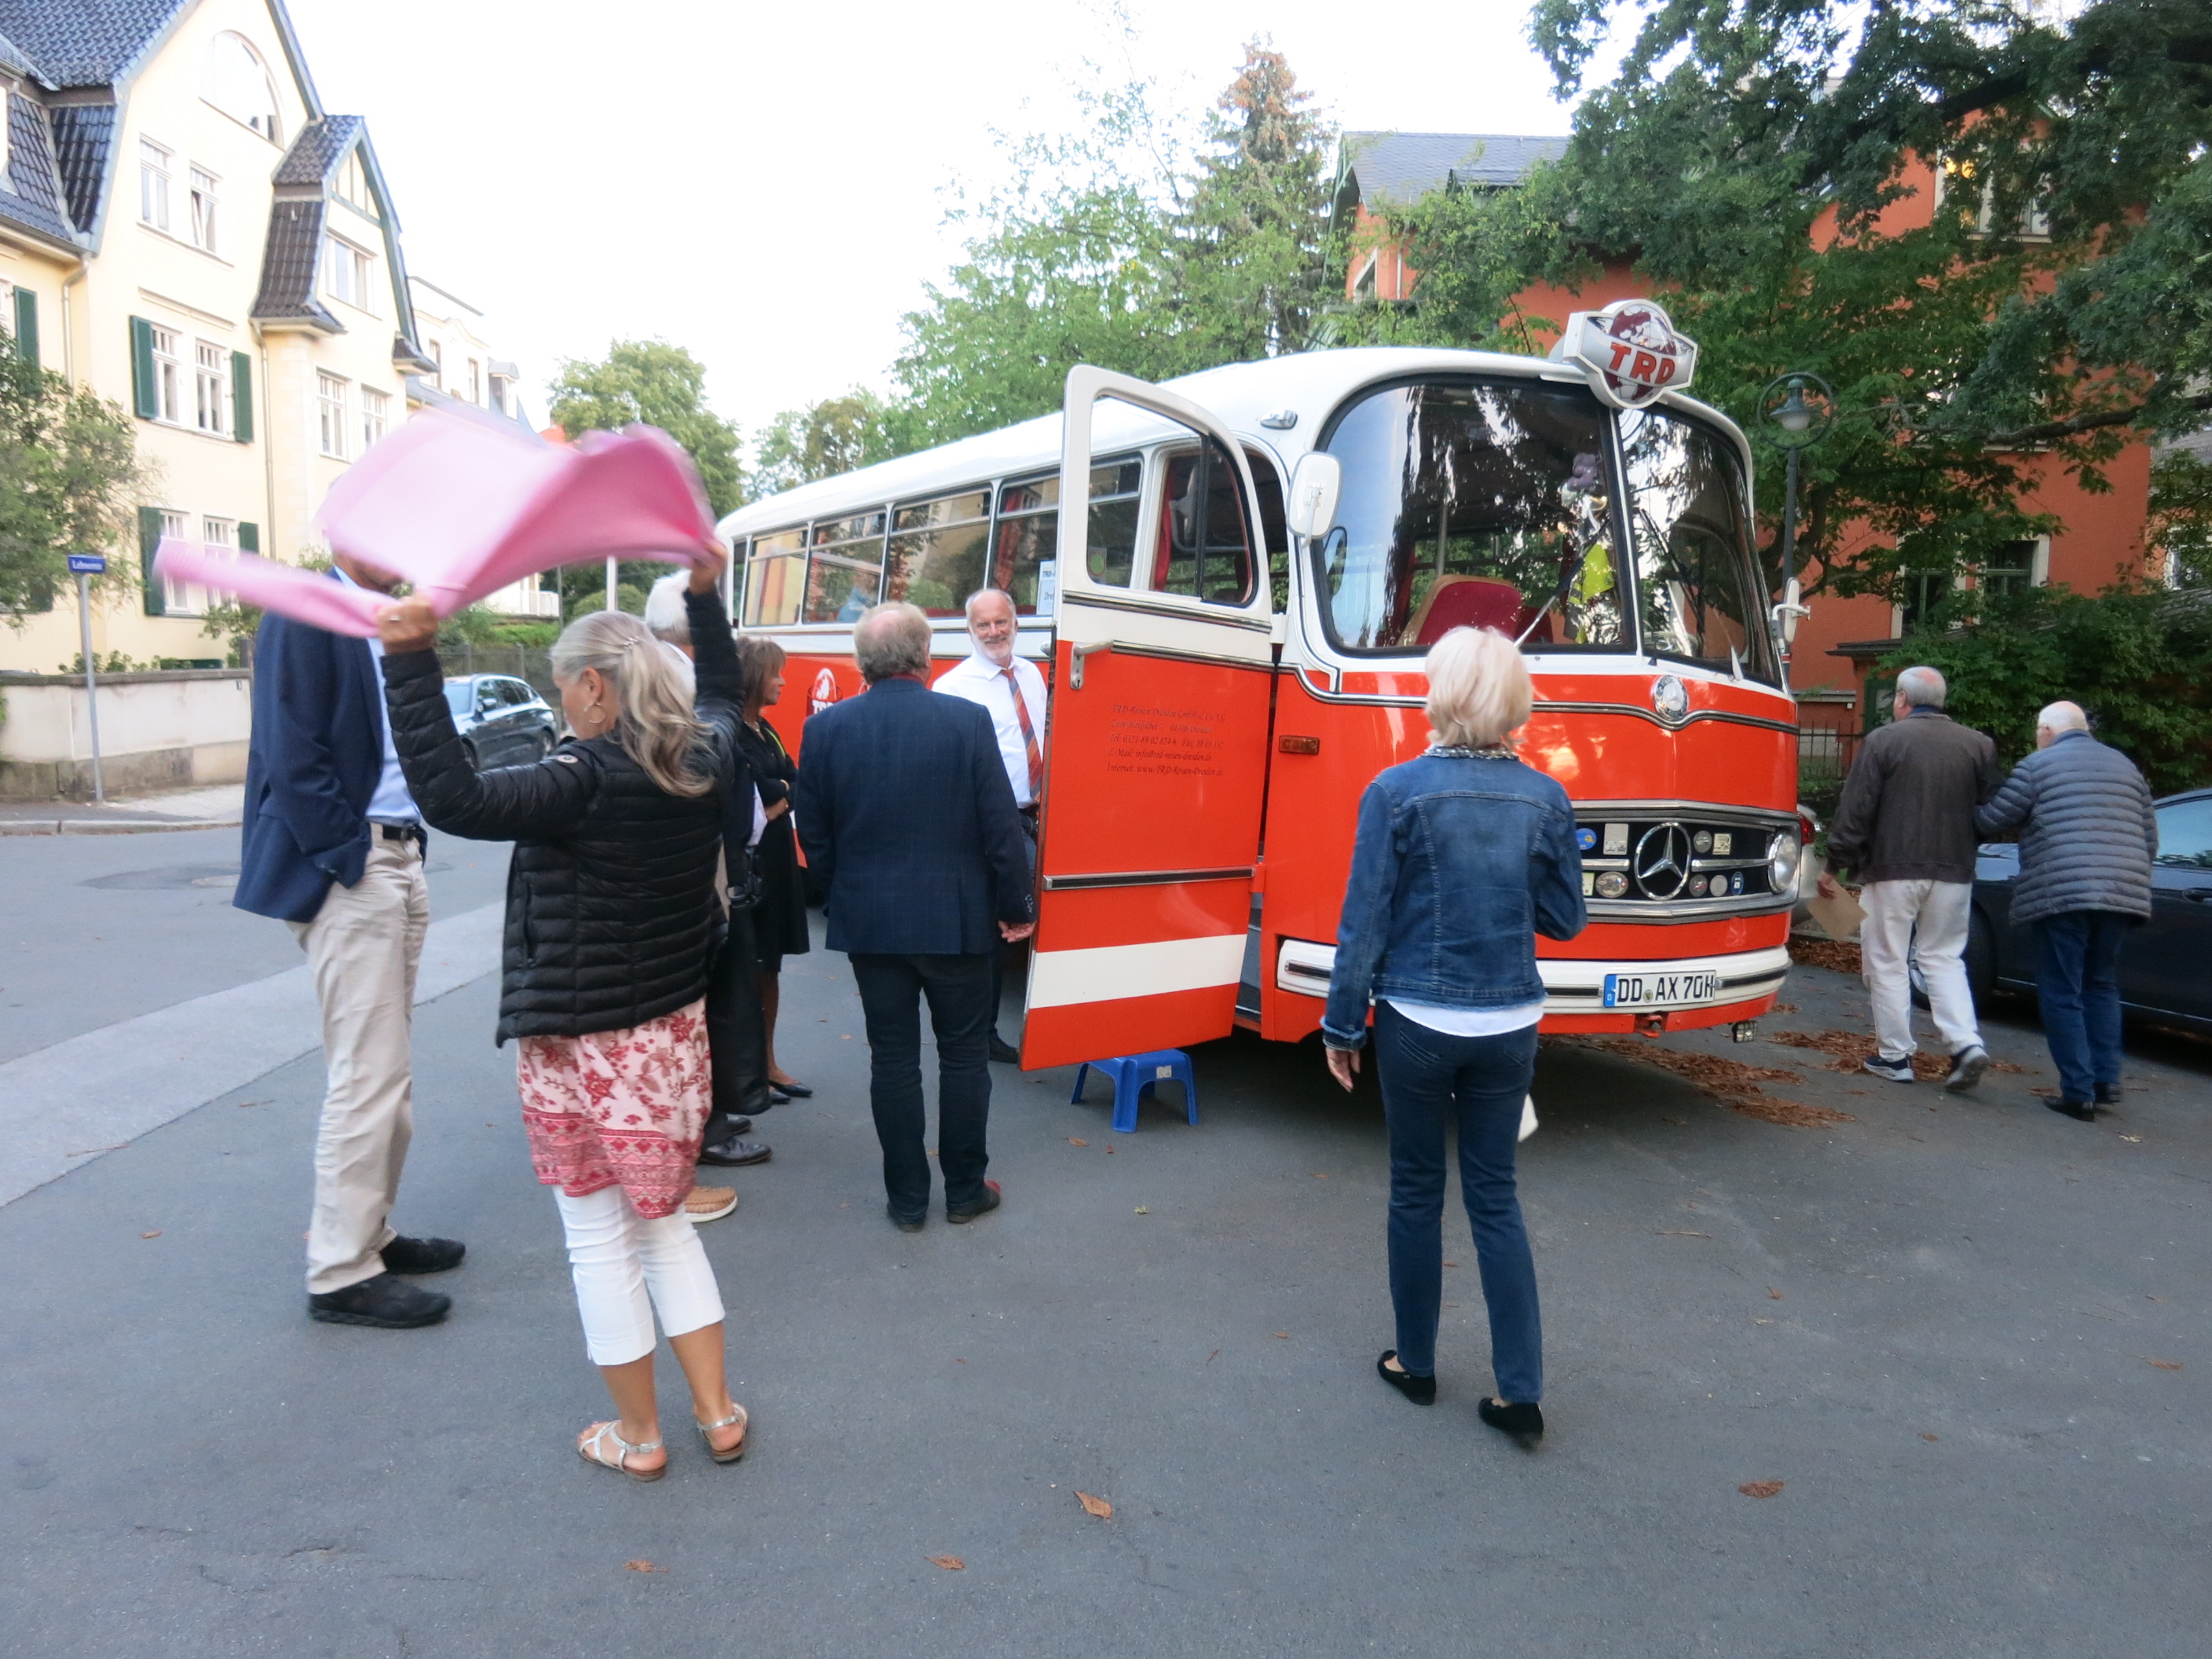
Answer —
(2087, 836)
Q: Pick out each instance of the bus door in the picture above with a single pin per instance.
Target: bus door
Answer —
(1156, 766)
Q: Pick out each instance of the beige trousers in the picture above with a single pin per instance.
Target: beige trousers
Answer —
(364, 946)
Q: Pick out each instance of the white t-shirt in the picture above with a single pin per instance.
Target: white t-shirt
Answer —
(1471, 1022)
(980, 680)
(391, 804)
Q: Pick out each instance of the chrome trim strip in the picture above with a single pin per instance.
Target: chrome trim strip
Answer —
(1381, 701)
(1168, 653)
(1779, 817)
(1229, 618)
(1142, 878)
(1679, 910)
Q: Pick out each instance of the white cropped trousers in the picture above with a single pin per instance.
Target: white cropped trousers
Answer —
(627, 1268)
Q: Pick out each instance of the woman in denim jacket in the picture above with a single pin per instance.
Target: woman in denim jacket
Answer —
(1464, 855)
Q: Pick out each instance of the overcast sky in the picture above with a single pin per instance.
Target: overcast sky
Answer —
(762, 183)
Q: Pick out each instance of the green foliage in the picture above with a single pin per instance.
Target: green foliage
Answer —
(68, 475)
(838, 434)
(115, 662)
(2180, 526)
(659, 385)
(629, 591)
(2139, 659)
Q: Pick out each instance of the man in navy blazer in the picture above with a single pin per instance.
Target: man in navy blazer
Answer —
(333, 847)
(910, 830)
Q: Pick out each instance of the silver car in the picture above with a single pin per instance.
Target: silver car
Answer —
(502, 720)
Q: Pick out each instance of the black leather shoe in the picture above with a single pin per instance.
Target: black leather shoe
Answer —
(2108, 1094)
(1524, 1422)
(983, 1205)
(775, 1096)
(1003, 1052)
(383, 1301)
(905, 1223)
(422, 1256)
(2082, 1111)
(792, 1090)
(730, 1153)
(1421, 1390)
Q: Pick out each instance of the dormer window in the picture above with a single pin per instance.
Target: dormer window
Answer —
(235, 80)
(351, 185)
(346, 271)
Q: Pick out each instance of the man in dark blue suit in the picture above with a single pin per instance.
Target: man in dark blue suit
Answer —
(333, 847)
(910, 829)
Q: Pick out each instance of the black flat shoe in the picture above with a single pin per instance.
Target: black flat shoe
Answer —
(384, 1302)
(422, 1256)
(732, 1153)
(791, 1091)
(1524, 1422)
(2108, 1094)
(1003, 1052)
(2080, 1111)
(905, 1223)
(983, 1205)
(1421, 1390)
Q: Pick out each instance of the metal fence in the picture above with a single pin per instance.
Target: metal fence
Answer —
(533, 663)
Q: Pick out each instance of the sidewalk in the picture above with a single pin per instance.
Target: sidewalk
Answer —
(223, 805)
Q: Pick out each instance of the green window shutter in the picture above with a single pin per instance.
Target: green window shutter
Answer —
(241, 397)
(249, 538)
(27, 325)
(150, 539)
(143, 392)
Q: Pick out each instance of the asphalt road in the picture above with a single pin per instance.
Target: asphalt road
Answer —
(1969, 1338)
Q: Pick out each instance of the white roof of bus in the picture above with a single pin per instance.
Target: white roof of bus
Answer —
(1312, 383)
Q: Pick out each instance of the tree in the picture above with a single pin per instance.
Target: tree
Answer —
(2181, 528)
(68, 478)
(659, 385)
(838, 434)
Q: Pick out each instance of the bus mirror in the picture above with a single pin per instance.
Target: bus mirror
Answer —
(1314, 486)
(1787, 613)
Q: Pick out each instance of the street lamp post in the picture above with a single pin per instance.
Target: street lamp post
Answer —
(1799, 405)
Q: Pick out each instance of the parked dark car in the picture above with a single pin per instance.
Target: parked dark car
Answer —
(502, 721)
(2166, 966)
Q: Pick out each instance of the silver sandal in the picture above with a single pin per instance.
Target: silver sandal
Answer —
(592, 1449)
(738, 1417)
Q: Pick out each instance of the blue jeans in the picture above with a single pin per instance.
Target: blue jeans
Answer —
(958, 990)
(2077, 981)
(1478, 1084)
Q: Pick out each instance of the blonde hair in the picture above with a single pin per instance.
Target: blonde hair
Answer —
(1479, 688)
(656, 728)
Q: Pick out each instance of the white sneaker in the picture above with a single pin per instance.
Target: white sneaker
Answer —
(1967, 1067)
(1897, 1070)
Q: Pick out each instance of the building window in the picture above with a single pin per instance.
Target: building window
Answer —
(178, 599)
(203, 210)
(154, 184)
(169, 377)
(235, 80)
(1925, 594)
(438, 358)
(351, 185)
(375, 415)
(331, 401)
(475, 381)
(2010, 568)
(499, 394)
(345, 272)
(211, 388)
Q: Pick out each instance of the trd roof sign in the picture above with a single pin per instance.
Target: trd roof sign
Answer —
(1630, 350)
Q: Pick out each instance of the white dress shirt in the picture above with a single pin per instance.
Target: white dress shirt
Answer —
(391, 804)
(980, 680)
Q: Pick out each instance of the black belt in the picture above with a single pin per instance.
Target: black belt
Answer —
(1029, 811)
(414, 832)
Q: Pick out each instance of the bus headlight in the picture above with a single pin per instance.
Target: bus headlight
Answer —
(1782, 864)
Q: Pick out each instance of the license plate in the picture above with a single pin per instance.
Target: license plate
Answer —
(1656, 990)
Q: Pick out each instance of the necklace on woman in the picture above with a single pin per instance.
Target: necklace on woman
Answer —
(1463, 752)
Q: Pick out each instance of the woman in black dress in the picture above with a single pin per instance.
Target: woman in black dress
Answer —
(780, 922)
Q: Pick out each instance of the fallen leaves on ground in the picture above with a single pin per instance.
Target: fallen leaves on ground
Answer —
(2137, 1139)
(1842, 958)
(1141, 1210)
(1451, 1264)
(1678, 1232)
(1761, 1488)
(950, 1563)
(156, 1233)
(1731, 1082)
(642, 1566)
(2165, 1365)
(1077, 1140)
(1215, 1355)
(1852, 1049)
(1784, 1008)
(1097, 1506)
(1284, 1336)
(1929, 1437)
(1774, 1293)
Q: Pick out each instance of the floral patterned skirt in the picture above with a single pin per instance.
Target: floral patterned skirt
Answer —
(623, 1109)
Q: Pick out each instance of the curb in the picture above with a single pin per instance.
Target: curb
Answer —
(110, 826)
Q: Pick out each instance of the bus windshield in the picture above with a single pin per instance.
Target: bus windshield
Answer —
(1476, 503)
(1702, 598)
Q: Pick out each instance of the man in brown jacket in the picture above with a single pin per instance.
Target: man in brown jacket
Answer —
(1905, 826)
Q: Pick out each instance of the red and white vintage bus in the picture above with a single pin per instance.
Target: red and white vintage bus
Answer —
(1230, 581)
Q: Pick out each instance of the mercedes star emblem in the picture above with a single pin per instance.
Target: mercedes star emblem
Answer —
(1661, 863)
(1670, 697)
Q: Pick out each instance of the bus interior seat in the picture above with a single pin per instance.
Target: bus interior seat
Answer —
(1469, 602)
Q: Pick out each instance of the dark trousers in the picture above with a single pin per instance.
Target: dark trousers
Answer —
(1004, 952)
(2077, 981)
(958, 990)
(737, 1030)
(1476, 1084)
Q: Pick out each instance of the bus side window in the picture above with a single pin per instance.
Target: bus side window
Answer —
(776, 577)
(937, 551)
(1028, 524)
(1203, 550)
(845, 573)
(1275, 530)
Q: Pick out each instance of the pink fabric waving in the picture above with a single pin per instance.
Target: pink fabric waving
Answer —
(302, 595)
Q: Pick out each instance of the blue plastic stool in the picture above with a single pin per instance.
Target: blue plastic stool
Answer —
(1135, 1073)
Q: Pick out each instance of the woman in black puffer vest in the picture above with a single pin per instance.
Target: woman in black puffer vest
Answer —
(612, 917)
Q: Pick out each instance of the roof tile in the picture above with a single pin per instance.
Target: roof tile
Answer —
(84, 43)
(1399, 169)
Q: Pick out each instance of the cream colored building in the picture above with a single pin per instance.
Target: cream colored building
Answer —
(186, 229)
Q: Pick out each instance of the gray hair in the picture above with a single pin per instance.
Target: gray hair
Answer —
(1013, 610)
(656, 726)
(890, 639)
(2062, 717)
(664, 609)
(1922, 688)
(1479, 688)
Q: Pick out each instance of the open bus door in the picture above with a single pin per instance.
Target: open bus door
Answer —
(1156, 769)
